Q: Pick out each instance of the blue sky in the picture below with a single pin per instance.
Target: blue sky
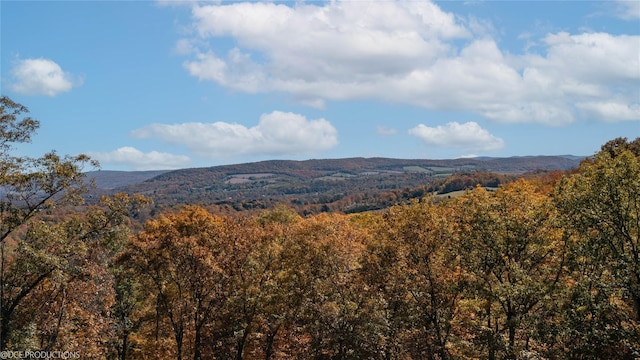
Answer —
(142, 85)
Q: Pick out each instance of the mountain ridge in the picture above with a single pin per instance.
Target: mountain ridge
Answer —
(316, 185)
(113, 179)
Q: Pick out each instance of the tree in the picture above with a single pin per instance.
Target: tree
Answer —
(514, 255)
(55, 261)
(184, 261)
(338, 316)
(601, 208)
(27, 186)
(15, 126)
(418, 273)
(70, 305)
(270, 292)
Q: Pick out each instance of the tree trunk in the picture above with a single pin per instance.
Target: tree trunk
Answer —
(123, 348)
(268, 351)
(512, 342)
(635, 294)
(197, 341)
(54, 337)
(511, 325)
(241, 343)
(491, 341)
(179, 349)
(3, 334)
(179, 336)
(5, 328)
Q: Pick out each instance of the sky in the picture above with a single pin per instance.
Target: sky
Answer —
(150, 85)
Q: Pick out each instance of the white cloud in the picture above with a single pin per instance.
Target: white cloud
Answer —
(277, 133)
(612, 110)
(628, 9)
(207, 67)
(578, 74)
(312, 50)
(137, 160)
(237, 71)
(41, 77)
(591, 57)
(412, 53)
(468, 136)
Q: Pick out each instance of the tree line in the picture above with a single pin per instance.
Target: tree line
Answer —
(537, 269)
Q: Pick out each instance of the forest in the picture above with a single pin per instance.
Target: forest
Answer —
(309, 187)
(543, 267)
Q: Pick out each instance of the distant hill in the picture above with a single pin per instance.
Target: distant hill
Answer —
(110, 179)
(313, 185)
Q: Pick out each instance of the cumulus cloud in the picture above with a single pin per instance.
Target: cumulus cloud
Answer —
(137, 160)
(277, 133)
(412, 52)
(41, 77)
(310, 49)
(469, 136)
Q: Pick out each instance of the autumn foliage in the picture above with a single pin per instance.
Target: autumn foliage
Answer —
(526, 271)
(537, 269)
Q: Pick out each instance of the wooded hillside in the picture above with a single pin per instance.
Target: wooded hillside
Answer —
(330, 185)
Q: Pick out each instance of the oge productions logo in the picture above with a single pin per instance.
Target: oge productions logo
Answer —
(7, 354)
